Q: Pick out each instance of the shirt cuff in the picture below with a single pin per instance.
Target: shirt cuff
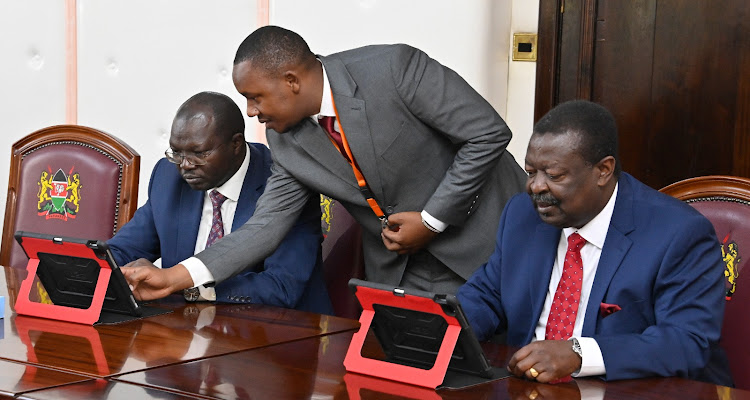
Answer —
(434, 222)
(592, 362)
(198, 271)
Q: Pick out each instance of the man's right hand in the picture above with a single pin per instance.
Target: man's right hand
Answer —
(149, 282)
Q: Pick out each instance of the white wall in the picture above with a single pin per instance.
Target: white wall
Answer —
(470, 37)
(138, 60)
(521, 81)
(32, 73)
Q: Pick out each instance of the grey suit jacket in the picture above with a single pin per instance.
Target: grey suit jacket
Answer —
(423, 138)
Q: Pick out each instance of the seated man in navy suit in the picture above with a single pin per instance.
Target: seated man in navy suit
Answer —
(208, 184)
(594, 273)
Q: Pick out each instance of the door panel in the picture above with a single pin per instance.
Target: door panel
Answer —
(675, 73)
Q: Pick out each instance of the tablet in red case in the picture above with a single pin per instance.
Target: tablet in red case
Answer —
(425, 339)
(81, 278)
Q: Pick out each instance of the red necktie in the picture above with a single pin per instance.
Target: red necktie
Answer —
(327, 124)
(562, 315)
(217, 226)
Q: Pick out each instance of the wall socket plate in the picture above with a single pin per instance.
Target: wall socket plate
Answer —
(524, 46)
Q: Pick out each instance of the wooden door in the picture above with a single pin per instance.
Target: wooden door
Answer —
(675, 73)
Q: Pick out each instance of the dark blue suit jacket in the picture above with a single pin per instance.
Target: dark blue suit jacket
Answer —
(661, 263)
(167, 227)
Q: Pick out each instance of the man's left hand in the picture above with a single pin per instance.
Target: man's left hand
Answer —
(551, 359)
(406, 233)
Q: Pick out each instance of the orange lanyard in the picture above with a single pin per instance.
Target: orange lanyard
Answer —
(361, 182)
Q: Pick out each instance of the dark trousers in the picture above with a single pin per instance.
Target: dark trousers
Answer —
(427, 273)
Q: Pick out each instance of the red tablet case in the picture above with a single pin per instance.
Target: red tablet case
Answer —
(25, 306)
(354, 362)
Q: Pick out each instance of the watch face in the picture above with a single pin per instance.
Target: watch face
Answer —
(577, 347)
(191, 294)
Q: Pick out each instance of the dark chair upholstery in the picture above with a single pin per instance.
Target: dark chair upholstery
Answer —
(725, 201)
(68, 180)
(342, 256)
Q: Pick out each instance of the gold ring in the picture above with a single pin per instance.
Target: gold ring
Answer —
(533, 373)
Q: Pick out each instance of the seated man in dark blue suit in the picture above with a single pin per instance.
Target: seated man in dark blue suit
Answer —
(594, 273)
(209, 183)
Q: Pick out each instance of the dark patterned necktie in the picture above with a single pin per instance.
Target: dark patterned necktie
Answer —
(327, 124)
(217, 225)
(562, 314)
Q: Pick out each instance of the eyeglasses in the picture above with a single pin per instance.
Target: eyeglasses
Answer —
(198, 158)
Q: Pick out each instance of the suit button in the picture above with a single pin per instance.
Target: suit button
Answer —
(389, 210)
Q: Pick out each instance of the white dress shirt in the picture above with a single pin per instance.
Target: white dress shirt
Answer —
(595, 232)
(231, 190)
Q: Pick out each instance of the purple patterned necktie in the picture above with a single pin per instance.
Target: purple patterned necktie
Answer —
(217, 226)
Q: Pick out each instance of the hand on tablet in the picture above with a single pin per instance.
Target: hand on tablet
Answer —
(149, 282)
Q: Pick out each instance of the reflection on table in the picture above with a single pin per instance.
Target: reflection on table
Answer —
(249, 352)
(312, 368)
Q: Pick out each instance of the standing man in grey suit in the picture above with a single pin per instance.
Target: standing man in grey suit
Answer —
(430, 150)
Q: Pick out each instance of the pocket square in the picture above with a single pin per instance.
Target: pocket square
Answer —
(608, 309)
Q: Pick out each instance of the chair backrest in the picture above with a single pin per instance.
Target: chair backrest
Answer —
(725, 201)
(343, 258)
(68, 180)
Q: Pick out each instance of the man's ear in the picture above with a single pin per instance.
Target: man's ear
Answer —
(292, 79)
(238, 140)
(606, 170)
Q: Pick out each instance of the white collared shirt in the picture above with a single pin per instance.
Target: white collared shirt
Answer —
(595, 232)
(326, 103)
(231, 190)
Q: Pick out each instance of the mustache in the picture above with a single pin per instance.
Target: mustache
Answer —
(189, 176)
(546, 198)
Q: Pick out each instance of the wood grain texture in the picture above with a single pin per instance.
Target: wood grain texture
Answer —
(673, 73)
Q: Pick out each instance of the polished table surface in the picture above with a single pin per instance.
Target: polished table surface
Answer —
(190, 332)
(312, 368)
(246, 352)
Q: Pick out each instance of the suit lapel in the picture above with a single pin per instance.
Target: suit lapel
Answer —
(353, 121)
(252, 188)
(189, 215)
(314, 140)
(616, 246)
(541, 260)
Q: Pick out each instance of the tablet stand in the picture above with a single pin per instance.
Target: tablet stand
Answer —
(355, 362)
(87, 316)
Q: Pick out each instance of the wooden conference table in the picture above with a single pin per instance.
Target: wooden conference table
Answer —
(206, 351)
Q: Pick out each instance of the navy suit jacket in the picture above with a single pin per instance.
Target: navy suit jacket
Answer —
(167, 227)
(661, 263)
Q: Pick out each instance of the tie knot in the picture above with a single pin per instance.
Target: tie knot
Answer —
(575, 242)
(217, 199)
(327, 123)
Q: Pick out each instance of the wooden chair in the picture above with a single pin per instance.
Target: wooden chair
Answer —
(68, 180)
(725, 201)
(343, 258)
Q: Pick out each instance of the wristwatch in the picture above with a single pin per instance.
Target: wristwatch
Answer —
(576, 347)
(191, 294)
